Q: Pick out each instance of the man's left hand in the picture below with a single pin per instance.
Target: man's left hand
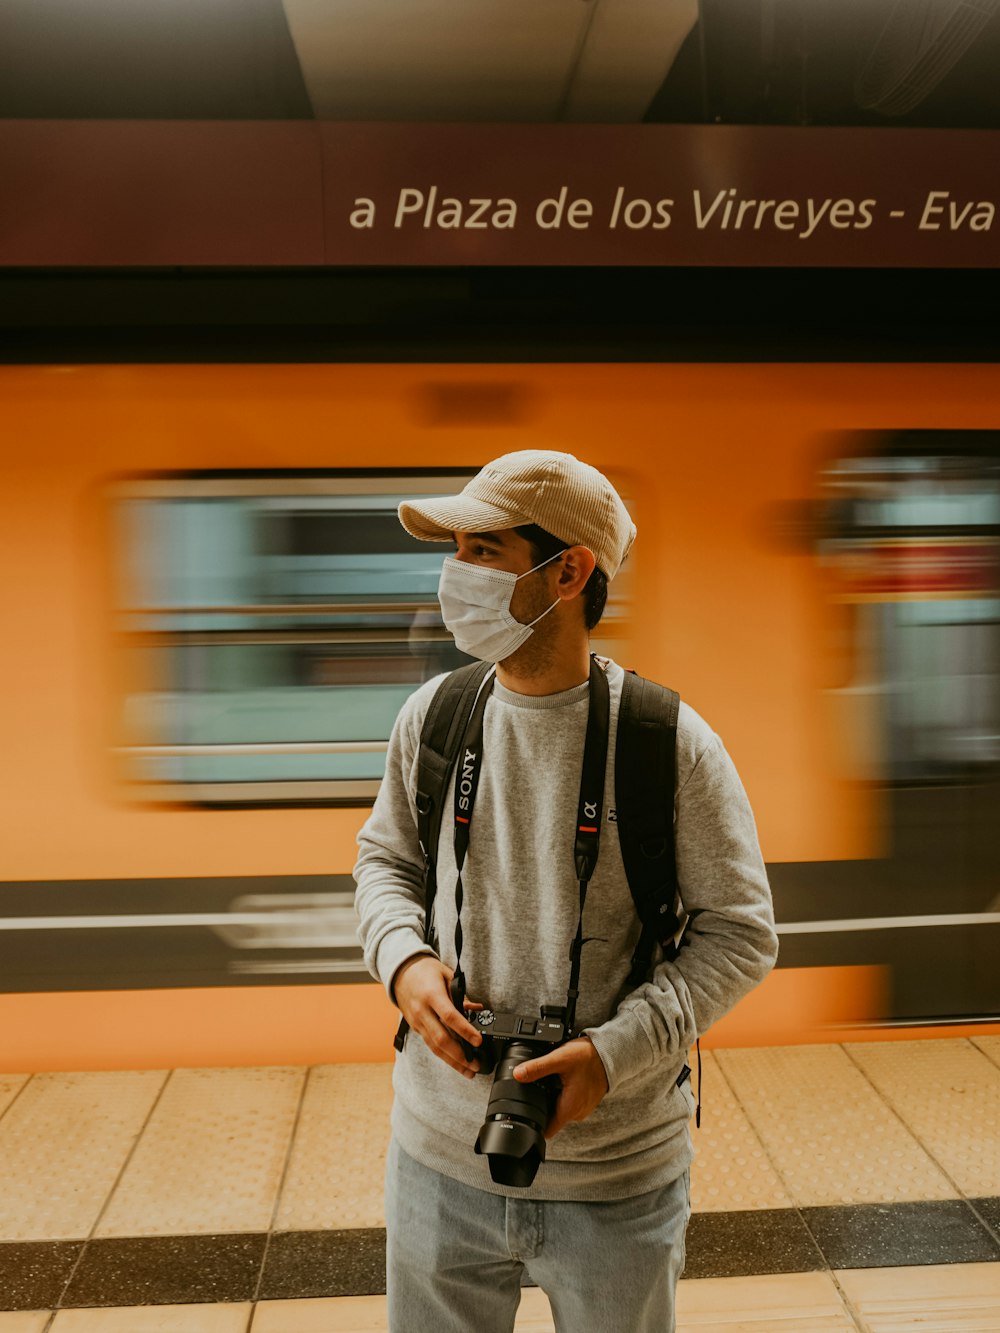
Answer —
(581, 1072)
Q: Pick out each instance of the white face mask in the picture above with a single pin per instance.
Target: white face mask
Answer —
(475, 607)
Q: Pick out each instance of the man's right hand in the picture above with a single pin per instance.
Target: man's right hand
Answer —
(423, 995)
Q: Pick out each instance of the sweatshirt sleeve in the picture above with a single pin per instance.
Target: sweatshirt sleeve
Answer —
(389, 872)
(730, 944)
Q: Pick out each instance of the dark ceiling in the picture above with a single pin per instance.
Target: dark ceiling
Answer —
(800, 62)
(149, 59)
(784, 62)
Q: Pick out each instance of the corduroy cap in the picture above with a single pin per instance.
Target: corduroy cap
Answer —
(569, 499)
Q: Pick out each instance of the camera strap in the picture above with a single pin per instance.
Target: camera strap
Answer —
(470, 765)
(590, 812)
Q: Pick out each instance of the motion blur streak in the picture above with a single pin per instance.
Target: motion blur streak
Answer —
(213, 617)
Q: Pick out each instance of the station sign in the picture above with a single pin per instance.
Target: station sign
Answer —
(289, 193)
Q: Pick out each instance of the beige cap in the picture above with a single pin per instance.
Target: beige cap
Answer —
(569, 499)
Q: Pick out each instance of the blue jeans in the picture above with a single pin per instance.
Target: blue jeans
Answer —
(455, 1255)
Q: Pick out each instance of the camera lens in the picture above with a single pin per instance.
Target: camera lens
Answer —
(513, 1136)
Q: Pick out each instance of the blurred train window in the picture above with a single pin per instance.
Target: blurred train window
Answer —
(271, 628)
(912, 533)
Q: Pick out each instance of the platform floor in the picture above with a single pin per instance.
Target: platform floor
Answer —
(847, 1188)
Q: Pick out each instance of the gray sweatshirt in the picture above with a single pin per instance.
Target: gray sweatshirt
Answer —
(519, 918)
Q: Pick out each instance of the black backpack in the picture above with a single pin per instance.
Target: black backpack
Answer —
(645, 768)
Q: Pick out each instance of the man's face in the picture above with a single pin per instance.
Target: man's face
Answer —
(510, 552)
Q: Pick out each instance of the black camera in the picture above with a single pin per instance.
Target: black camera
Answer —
(513, 1134)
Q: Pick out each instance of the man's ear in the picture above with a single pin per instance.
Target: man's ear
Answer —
(578, 565)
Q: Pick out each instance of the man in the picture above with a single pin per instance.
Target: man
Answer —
(601, 1229)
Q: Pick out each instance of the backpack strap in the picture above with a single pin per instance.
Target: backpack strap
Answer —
(645, 781)
(440, 737)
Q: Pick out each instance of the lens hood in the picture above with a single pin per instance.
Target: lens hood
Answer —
(513, 1150)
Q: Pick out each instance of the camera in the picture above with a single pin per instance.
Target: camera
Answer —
(513, 1134)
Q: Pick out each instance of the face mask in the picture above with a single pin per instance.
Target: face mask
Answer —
(475, 606)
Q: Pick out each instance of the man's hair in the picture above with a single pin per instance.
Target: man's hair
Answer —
(545, 546)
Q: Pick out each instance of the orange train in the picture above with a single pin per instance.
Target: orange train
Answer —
(211, 617)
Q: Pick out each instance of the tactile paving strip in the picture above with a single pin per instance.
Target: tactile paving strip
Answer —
(959, 1298)
(948, 1093)
(337, 1164)
(211, 1158)
(731, 1170)
(830, 1136)
(63, 1144)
